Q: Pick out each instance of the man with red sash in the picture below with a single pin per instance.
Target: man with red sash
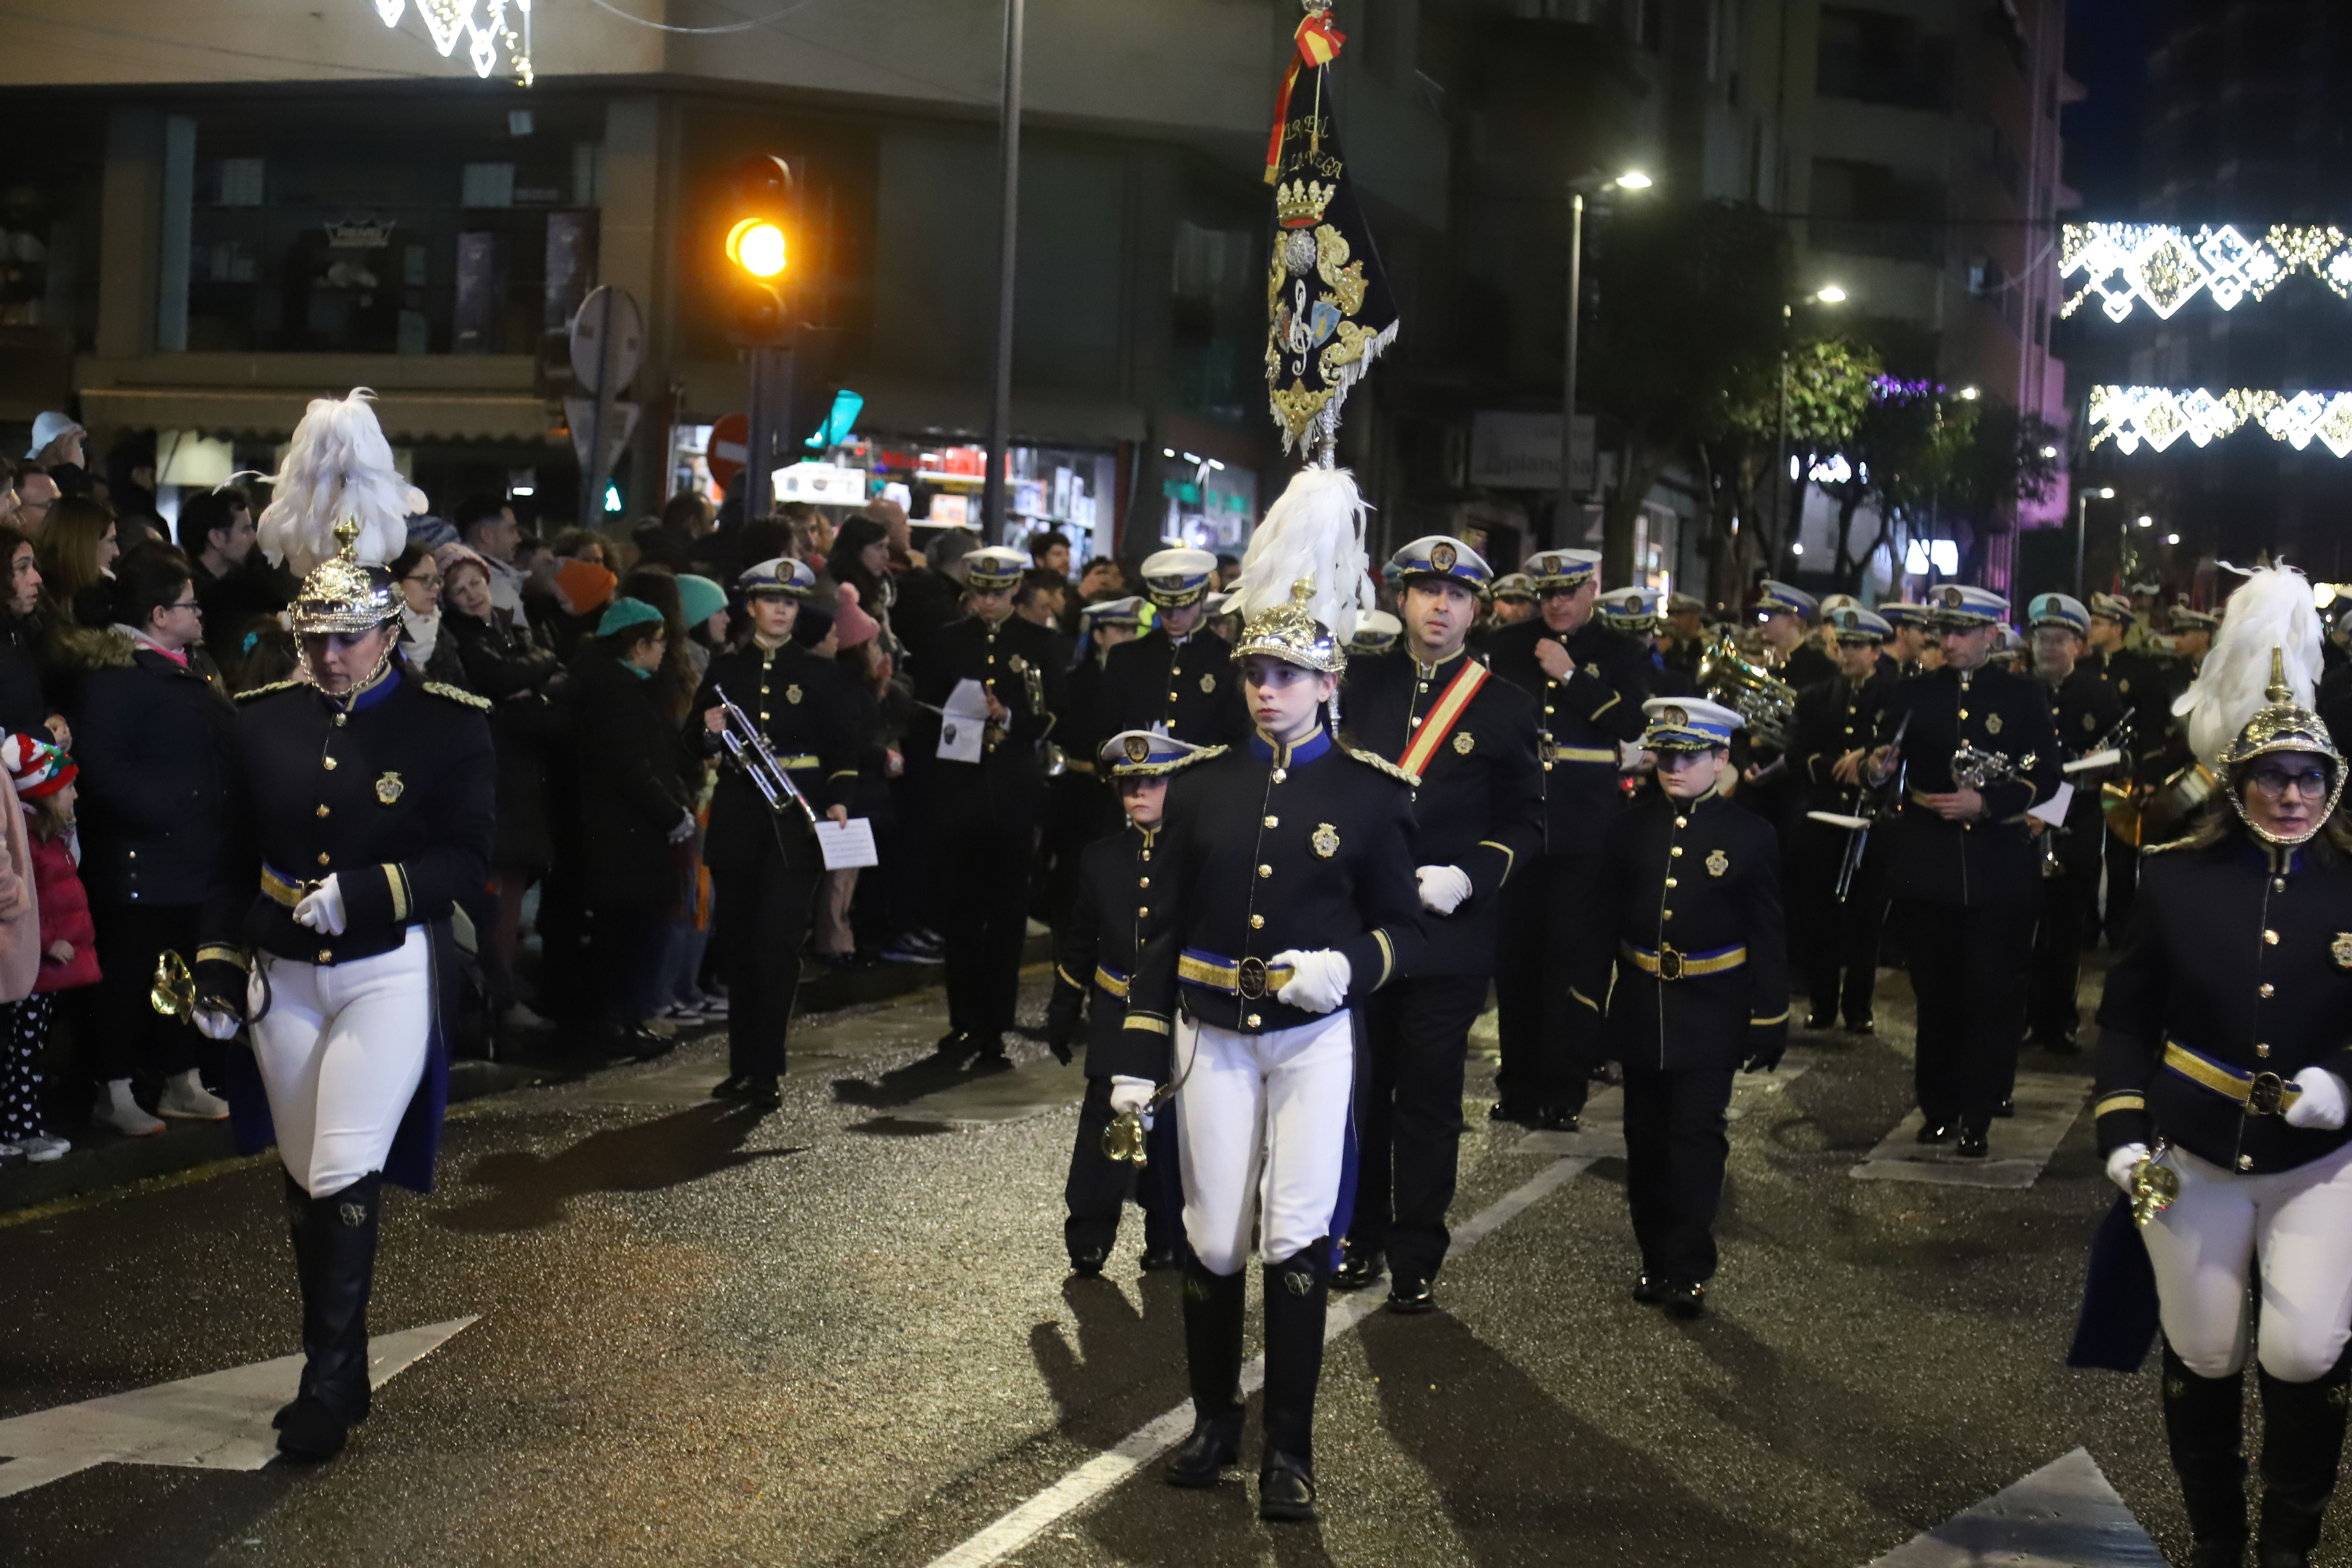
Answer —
(1468, 740)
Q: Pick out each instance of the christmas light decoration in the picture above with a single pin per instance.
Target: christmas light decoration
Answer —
(488, 27)
(2130, 264)
(2158, 416)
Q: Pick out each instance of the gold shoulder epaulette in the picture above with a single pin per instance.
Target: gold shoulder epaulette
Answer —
(2185, 841)
(264, 690)
(457, 694)
(1374, 760)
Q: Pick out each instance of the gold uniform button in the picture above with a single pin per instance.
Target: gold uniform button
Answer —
(1274, 822)
(1547, 767)
(322, 810)
(1676, 852)
(1964, 712)
(1258, 922)
(1146, 855)
(1253, 1020)
(1672, 883)
(330, 763)
(1265, 870)
(1143, 881)
(1280, 774)
(2270, 937)
(1143, 913)
(1682, 822)
(2278, 884)
(1416, 724)
(2245, 1162)
(2266, 991)
(325, 957)
(2262, 1050)
(1171, 697)
(325, 859)
(1547, 707)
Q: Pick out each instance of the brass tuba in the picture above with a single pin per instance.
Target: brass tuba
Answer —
(1765, 703)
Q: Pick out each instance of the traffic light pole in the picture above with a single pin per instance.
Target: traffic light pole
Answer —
(768, 413)
(1000, 406)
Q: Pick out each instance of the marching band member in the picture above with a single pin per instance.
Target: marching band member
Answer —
(1963, 870)
(985, 812)
(2222, 1050)
(1588, 680)
(1515, 598)
(1094, 963)
(367, 806)
(2087, 710)
(1469, 742)
(1291, 900)
(1177, 678)
(765, 866)
(1690, 894)
(1835, 726)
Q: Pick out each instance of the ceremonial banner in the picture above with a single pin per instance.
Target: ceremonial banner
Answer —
(1327, 303)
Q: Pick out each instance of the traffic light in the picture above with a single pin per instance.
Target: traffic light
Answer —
(763, 217)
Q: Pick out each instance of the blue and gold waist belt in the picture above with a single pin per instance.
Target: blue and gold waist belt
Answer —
(1668, 962)
(2261, 1093)
(281, 888)
(1111, 980)
(1249, 978)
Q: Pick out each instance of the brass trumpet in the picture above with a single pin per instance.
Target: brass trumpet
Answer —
(174, 992)
(1123, 1140)
(2153, 1188)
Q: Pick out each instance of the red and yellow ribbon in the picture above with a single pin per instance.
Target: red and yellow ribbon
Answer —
(1317, 43)
(1442, 718)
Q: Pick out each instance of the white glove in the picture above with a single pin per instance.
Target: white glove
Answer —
(2322, 1105)
(1443, 888)
(683, 830)
(323, 908)
(215, 1023)
(1318, 980)
(1130, 1095)
(2122, 1162)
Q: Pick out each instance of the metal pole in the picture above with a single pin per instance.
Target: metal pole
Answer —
(999, 408)
(1561, 537)
(1781, 480)
(2082, 525)
(591, 493)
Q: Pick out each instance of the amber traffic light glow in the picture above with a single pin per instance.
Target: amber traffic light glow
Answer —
(757, 246)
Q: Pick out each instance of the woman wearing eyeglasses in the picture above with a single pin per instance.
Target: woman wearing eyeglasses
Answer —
(2222, 1084)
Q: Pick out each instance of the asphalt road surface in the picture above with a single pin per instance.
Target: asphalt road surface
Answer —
(844, 1332)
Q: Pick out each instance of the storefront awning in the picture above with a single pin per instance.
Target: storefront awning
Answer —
(406, 415)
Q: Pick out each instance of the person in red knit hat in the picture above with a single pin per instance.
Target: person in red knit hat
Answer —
(44, 776)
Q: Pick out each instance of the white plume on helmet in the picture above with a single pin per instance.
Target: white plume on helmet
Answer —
(338, 466)
(1313, 532)
(2274, 609)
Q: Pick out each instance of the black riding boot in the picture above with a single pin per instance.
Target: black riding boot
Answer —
(335, 1251)
(1296, 1291)
(2303, 1442)
(1213, 1360)
(2204, 1423)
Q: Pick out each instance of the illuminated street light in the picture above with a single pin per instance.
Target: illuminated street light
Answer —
(1968, 395)
(2148, 522)
(2172, 539)
(1831, 294)
(1633, 179)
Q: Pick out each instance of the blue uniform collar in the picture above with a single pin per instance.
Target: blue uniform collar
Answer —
(377, 691)
(1317, 741)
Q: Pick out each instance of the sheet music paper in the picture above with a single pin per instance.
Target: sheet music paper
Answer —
(848, 845)
(963, 722)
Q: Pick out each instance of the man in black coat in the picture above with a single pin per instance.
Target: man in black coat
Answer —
(987, 792)
(1095, 962)
(764, 860)
(1963, 870)
(1469, 739)
(156, 739)
(2087, 711)
(1588, 681)
(1690, 887)
(1836, 724)
(1177, 678)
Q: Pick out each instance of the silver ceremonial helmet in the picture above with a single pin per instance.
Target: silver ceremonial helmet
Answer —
(2281, 724)
(1289, 633)
(345, 595)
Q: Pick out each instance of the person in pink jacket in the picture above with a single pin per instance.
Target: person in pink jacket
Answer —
(43, 850)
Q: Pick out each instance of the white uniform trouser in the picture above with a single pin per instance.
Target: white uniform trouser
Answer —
(2298, 1223)
(1262, 1117)
(342, 1050)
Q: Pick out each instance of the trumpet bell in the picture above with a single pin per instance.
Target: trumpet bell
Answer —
(1123, 1140)
(1765, 704)
(173, 991)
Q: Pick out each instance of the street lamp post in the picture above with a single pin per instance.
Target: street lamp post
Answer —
(1632, 179)
(1000, 405)
(1783, 486)
(2081, 527)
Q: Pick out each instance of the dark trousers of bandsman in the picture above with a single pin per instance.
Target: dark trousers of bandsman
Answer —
(1099, 1187)
(1549, 1045)
(983, 849)
(2123, 888)
(1409, 1119)
(1834, 942)
(1968, 972)
(2067, 900)
(1675, 1145)
(761, 907)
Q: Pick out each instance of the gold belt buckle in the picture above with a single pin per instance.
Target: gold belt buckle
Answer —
(1670, 962)
(2264, 1093)
(1547, 750)
(1249, 978)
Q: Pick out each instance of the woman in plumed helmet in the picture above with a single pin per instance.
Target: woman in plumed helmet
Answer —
(2222, 1088)
(364, 809)
(1281, 896)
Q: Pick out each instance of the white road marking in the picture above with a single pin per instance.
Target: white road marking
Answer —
(2047, 1104)
(219, 1421)
(2064, 1515)
(1099, 1475)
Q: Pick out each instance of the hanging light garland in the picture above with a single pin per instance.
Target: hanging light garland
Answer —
(2157, 416)
(2130, 264)
(488, 28)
